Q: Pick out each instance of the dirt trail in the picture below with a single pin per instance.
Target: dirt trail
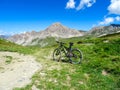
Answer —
(16, 70)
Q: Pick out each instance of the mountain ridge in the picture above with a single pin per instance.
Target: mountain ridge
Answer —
(104, 30)
(56, 30)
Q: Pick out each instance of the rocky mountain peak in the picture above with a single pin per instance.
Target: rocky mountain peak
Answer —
(56, 27)
(56, 30)
(59, 30)
(56, 24)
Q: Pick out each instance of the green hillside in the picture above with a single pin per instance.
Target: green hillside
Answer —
(99, 70)
(12, 47)
(49, 41)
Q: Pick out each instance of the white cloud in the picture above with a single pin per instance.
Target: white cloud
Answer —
(114, 7)
(85, 3)
(117, 18)
(70, 4)
(107, 20)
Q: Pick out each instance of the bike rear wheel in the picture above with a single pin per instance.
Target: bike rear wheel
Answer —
(57, 55)
(76, 56)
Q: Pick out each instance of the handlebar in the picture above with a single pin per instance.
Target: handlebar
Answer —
(61, 43)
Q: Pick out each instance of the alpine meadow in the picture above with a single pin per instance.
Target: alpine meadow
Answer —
(41, 39)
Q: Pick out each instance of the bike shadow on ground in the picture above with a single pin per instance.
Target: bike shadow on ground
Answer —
(65, 61)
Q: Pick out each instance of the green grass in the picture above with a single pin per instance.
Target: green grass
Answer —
(12, 47)
(49, 41)
(8, 59)
(99, 70)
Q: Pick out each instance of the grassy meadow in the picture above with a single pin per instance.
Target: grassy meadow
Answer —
(99, 70)
(12, 47)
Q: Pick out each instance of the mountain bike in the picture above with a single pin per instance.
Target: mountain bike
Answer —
(63, 53)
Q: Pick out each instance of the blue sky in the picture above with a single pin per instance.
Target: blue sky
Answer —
(18, 16)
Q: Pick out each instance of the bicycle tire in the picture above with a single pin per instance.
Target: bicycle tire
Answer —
(57, 55)
(76, 57)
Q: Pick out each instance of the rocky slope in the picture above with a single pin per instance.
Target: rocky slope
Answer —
(56, 30)
(104, 30)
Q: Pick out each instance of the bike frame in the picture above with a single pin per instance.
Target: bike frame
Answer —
(66, 50)
(73, 55)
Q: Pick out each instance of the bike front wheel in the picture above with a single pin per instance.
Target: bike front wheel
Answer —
(76, 56)
(57, 55)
